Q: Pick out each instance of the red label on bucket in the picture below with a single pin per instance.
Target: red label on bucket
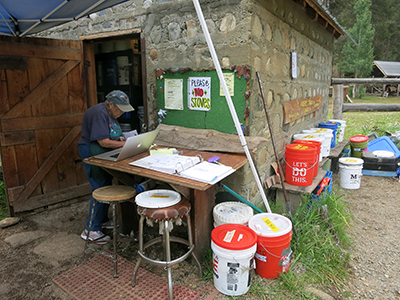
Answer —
(270, 224)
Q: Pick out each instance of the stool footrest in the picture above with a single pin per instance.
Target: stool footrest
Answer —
(166, 263)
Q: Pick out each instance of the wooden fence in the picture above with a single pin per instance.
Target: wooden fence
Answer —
(339, 107)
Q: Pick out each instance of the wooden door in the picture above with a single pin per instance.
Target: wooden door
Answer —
(42, 101)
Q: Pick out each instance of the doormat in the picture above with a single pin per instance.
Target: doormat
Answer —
(94, 280)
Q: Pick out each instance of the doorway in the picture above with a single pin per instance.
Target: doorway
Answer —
(118, 64)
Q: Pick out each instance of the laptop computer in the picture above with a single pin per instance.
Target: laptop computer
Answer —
(134, 145)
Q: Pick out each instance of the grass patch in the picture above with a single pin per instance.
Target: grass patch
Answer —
(320, 256)
(369, 122)
(319, 248)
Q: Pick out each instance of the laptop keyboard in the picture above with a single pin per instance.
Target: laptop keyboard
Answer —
(115, 155)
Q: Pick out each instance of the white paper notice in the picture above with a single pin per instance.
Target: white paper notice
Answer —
(173, 96)
(294, 65)
(230, 83)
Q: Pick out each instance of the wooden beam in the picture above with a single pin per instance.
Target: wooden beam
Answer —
(39, 51)
(17, 138)
(49, 163)
(370, 107)
(365, 80)
(45, 122)
(39, 90)
(8, 62)
(51, 198)
(337, 101)
(111, 34)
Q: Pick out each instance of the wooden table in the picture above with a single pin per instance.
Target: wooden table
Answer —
(200, 194)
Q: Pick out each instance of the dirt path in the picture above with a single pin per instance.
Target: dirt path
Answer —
(46, 244)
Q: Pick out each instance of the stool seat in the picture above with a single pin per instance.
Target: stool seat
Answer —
(114, 193)
(180, 210)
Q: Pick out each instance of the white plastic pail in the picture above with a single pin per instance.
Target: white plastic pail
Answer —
(232, 213)
(350, 172)
(327, 133)
(325, 150)
(342, 128)
(233, 246)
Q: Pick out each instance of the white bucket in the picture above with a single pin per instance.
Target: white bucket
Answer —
(232, 213)
(342, 129)
(233, 246)
(350, 172)
(325, 150)
(328, 134)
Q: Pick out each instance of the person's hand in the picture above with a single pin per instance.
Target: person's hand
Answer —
(122, 138)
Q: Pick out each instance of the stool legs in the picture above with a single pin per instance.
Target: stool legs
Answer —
(140, 250)
(168, 258)
(115, 258)
(190, 239)
(166, 242)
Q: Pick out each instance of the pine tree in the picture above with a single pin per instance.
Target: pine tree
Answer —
(359, 56)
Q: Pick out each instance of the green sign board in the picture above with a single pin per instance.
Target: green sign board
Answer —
(195, 99)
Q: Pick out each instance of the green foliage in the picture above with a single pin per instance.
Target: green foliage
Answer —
(358, 55)
(3, 202)
(385, 17)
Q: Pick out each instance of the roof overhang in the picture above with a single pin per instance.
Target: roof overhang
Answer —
(25, 17)
(319, 13)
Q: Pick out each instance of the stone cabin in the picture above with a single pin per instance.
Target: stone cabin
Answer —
(260, 34)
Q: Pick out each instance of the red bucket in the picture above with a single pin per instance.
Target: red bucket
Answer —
(300, 163)
(274, 235)
(318, 153)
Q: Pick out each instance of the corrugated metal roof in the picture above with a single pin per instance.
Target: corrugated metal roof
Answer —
(388, 68)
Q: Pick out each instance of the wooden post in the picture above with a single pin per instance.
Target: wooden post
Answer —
(337, 101)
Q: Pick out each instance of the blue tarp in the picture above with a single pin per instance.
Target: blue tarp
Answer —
(25, 17)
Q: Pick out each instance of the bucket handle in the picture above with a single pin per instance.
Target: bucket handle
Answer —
(284, 159)
(252, 264)
(277, 256)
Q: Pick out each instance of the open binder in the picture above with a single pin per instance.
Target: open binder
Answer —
(191, 167)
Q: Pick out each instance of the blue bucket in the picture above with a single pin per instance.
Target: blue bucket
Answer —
(334, 127)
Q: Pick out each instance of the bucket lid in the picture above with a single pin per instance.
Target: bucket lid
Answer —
(383, 153)
(351, 161)
(270, 224)
(328, 125)
(234, 236)
(232, 212)
(157, 198)
(343, 122)
(359, 138)
(326, 131)
(301, 147)
(316, 144)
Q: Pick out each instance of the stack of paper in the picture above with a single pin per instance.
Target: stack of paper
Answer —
(208, 172)
(167, 163)
(191, 167)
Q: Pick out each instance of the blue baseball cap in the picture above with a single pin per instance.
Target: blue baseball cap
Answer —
(120, 99)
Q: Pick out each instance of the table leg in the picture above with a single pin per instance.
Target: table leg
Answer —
(202, 204)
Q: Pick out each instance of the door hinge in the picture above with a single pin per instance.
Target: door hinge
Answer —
(86, 64)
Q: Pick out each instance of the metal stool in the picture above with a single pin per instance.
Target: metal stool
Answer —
(112, 194)
(165, 215)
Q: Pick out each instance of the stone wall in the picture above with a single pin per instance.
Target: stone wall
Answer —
(260, 33)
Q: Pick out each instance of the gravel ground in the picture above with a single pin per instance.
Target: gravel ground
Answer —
(47, 244)
(375, 257)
